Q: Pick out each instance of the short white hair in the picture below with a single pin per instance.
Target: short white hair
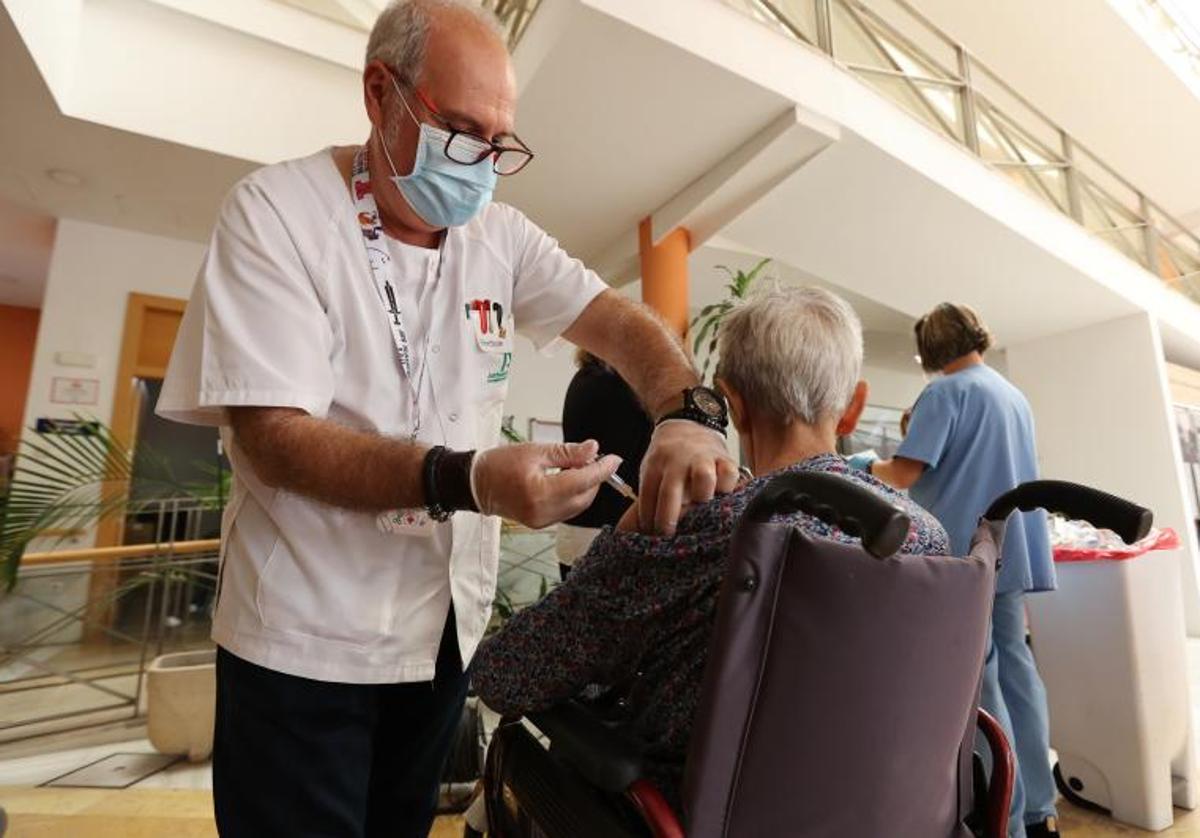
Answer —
(402, 29)
(794, 354)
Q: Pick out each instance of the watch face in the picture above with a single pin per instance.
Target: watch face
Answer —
(708, 402)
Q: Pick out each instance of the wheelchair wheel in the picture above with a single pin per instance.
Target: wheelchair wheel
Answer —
(464, 764)
(1070, 790)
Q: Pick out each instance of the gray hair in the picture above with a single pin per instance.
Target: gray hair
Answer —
(402, 29)
(795, 354)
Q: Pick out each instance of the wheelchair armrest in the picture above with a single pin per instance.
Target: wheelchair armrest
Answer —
(1084, 503)
(606, 757)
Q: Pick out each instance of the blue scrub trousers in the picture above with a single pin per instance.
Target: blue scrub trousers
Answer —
(1013, 692)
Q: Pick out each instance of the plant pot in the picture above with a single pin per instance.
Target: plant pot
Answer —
(181, 703)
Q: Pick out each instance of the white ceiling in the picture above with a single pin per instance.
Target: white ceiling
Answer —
(124, 179)
(127, 180)
(926, 245)
(358, 14)
(621, 122)
(1079, 62)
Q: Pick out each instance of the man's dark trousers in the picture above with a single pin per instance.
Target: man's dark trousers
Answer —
(295, 757)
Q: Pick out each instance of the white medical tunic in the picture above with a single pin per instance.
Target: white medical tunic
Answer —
(285, 314)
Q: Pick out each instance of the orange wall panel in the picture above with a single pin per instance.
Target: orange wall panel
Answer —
(18, 334)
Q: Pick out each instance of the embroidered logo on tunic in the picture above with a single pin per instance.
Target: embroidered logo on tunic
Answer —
(500, 375)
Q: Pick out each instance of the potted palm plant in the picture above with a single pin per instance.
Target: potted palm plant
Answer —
(706, 327)
(72, 480)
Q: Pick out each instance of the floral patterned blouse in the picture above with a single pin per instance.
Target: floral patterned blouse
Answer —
(636, 614)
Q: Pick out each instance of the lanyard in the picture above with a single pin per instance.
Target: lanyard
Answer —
(381, 270)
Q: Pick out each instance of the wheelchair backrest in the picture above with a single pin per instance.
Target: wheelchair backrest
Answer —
(840, 692)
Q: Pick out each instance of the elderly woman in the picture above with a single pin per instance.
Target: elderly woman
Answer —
(638, 610)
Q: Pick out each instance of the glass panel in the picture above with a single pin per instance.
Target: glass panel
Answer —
(852, 44)
(1047, 184)
(1031, 123)
(1112, 222)
(1175, 261)
(802, 14)
(937, 105)
(860, 39)
(1001, 139)
(787, 16)
(906, 27)
(993, 144)
(514, 16)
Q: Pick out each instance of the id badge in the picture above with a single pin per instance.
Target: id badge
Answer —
(411, 522)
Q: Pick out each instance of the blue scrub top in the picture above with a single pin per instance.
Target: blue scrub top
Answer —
(974, 431)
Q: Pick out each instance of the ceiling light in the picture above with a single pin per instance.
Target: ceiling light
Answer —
(65, 177)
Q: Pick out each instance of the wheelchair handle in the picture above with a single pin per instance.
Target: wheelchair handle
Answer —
(836, 501)
(1083, 503)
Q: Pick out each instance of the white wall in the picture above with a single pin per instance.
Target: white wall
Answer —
(1101, 402)
(538, 383)
(93, 269)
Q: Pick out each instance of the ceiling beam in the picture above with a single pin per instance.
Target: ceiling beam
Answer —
(765, 159)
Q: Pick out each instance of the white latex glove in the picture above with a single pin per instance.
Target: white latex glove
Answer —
(687, 463)
(515, 480)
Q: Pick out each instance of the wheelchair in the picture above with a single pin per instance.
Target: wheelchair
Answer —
(857, 720)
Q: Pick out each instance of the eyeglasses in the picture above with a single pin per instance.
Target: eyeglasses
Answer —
(467, 149)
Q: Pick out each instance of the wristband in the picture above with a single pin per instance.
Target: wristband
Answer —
(446, 477)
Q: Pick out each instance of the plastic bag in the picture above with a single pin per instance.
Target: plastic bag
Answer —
(1079, 541)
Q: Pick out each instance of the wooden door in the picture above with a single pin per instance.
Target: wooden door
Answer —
(151, 323)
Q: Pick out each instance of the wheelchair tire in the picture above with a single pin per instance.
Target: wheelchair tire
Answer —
(464, 764)
(1072, 795)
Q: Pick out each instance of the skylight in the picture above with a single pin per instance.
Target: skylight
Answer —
(1172, 28)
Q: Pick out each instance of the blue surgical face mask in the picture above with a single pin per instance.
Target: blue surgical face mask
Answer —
(442, 192)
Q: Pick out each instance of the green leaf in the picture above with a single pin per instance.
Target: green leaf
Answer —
(711, 324)
(705, 312)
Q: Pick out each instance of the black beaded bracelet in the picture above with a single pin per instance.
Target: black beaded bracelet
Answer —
(446, 478)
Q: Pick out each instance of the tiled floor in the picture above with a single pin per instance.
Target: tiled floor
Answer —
(174, 803)
(131, 813)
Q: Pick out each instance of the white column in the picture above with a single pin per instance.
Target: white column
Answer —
(1102, 405)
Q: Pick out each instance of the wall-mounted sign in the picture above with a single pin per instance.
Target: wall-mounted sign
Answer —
(67, 427)
(75, 359)
(74, 391)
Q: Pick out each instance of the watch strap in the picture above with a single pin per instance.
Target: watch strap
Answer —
(693, 415)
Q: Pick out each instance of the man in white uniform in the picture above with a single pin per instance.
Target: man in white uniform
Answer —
(351, 332)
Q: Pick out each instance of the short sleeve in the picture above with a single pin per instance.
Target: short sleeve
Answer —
(930, 428)
(552, 289)
(255, 332)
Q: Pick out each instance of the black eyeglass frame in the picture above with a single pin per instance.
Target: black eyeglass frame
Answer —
(495, 150)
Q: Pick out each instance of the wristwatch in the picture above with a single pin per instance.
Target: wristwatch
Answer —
(704, 405)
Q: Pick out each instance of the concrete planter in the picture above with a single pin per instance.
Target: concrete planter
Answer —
(181, 703)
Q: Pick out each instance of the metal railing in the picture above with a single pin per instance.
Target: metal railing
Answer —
(81, 626)
(514, 16)
(900, 53)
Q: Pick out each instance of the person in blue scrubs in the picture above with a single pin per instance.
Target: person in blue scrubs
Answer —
(970, 439)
